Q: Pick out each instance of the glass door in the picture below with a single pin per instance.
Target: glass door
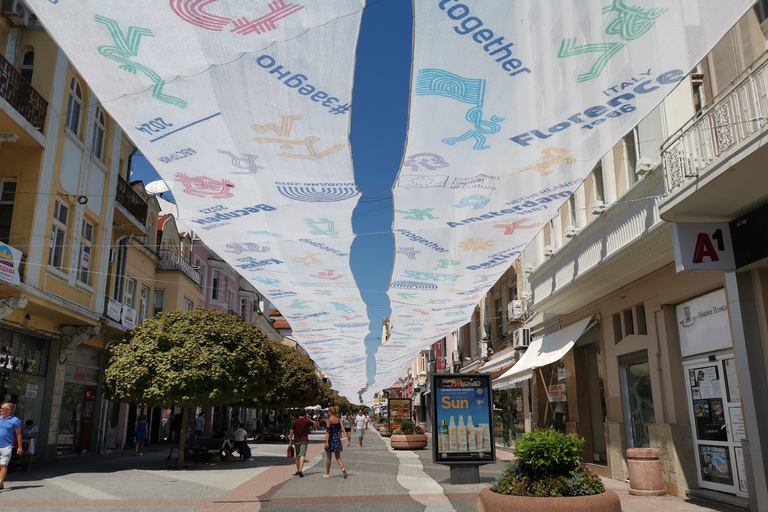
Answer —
(718, 426)
(638, 402)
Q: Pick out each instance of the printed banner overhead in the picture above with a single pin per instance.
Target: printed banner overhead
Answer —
(512, 104)
(243, 106)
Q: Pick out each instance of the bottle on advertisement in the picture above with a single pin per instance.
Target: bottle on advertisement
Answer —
(462, 431)
(452, 441)
(471, 435)
(486, 437)
(444, 436)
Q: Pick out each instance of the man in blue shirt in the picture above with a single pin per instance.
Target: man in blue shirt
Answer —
(10, 428)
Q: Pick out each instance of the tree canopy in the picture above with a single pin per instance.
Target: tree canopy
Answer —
(189, 358)
(299, 386)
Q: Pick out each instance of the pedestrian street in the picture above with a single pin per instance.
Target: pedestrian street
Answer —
(379, 479)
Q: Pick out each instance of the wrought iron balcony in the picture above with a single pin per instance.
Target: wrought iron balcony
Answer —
(15, 89)
(172, 259)
(734, 116)
(131, 200)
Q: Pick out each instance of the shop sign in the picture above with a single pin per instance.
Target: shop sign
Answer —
(81, 374)
(10, 258)
(31, 391)
(700, 246)
(398, 411)
(557, 393)
(129, 317)
(462, 427)
(703, 324)
(84, 355)
(114, 309)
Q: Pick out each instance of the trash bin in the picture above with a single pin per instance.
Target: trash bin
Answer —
(644, 472)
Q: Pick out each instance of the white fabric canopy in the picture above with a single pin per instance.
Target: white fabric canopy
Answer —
(541, 352)
(495, 364)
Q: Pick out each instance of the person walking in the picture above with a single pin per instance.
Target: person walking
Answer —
(10, 430)
(241, 442)
(29, 435)
(175, 432)
(199, 424)
(298, 436)
(348, 427)
(360, 425)
(333, 441)
(140, 434)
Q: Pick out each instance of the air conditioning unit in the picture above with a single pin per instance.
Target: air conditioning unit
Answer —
(570, 231)
(515, 310)
(644, 166)
(16, 12)
(484, 352)
(112, 255)
(456, 357)
(598, 207)
(548, 251)
(522, 338)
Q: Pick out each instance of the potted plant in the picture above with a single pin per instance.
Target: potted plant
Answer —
(547, 476)
(408, 437)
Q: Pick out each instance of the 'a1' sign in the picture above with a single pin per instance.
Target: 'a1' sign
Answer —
(703, 247)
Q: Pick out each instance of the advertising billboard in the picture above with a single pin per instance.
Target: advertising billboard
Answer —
(462, 429)
(398, 410)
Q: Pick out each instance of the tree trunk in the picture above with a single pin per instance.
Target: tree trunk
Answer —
(182, 437)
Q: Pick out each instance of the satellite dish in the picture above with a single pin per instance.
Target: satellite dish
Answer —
(157, 187)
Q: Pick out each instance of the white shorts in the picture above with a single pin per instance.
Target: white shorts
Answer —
(360, 432)
(5, 455)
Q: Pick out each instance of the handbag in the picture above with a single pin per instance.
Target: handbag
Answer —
(290, 451)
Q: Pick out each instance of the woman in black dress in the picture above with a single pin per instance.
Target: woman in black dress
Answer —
(333, 441)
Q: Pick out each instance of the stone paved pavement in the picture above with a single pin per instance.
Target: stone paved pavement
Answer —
(379, 480)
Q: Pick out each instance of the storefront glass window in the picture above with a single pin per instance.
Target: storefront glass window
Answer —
(508, 416)
(557, 396)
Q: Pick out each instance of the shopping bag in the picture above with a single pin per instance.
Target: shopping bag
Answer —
(290, 451)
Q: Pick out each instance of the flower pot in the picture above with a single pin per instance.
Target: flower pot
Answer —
(409, 442)
(384, 431)
(489, 501)
(645, 472)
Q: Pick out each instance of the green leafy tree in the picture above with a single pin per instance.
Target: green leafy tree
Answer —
(299, 386)
(190, 358)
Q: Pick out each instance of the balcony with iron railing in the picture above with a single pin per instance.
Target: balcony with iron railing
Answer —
(20, 95)
(173, 259)
(131, 201)
(706, 145)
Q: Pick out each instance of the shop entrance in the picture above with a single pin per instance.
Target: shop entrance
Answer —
(76, 423)
(637, 396)
(714, 405)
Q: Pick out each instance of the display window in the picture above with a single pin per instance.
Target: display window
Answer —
(508, 416)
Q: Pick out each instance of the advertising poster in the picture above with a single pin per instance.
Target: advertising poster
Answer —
(463, 428)
(399, 411)
(9, 264)
(715, 464)
(740, 469)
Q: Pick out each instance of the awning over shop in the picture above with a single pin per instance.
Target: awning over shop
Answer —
(541, 352)
(498, 363)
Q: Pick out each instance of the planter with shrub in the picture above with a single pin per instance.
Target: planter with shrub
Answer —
(547, 477)
(408, 437)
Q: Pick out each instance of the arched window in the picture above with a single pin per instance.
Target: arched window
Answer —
(74, 106)
(27, 65)
(99, 128)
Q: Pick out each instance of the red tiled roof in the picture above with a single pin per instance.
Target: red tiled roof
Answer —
(281, 323)
(273, 312)
(162, 220)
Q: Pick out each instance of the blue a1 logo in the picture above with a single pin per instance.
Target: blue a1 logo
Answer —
(702, 247)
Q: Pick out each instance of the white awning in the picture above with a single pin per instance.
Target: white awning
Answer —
(541, 352)
(499, 362)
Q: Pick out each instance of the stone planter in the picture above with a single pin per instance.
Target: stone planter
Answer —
(644, 472)
(409, 442)
(384, 431)
(489, 501)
